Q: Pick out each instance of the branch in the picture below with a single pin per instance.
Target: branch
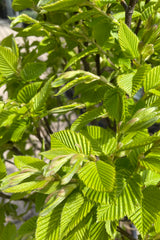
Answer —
(129, 10)
(124, 5)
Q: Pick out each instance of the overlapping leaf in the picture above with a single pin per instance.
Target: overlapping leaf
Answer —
(98, 176)
(71, 141)
(127, 200)
(147, 213)
(103, 141)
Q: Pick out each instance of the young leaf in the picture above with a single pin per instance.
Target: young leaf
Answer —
(146, 214)
(39, 100)
(89, 50)
(72, 140)
(8, 61)
(66, 108)
(67, 178)
(54, 202)
(128, 41)
(27, 186)
(87, 78)
(62, 5)
(152, 78)
(127, 200)
(113, 103)
(98, 176)
(32, 71)
(103, 141)
(70, 209)
(28, 92)
(3, 171)
(125, 82)
(23, 18)
(151, 161)
(23, 162)
(87, 117)
(44, 223)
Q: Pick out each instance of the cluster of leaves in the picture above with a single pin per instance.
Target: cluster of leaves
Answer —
(105, 165)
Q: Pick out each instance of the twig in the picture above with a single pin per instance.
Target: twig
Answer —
(97, 60)
(124, 233)
(84, 61)
(129, 12)
(47, 125)
(124, 4)
(138, 26)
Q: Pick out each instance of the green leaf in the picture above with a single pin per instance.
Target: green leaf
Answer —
(65, 77)
(18, 128)
(87, 78)
(70, 140)
(27, 229)
(28, 92)
(95, 196)
(48, 226)
(9, 232)
(139, 78)
(125, 82)
(56, 164)
(80, 16)
(87, 117)
(63, 193)
(128, 41)
(66, 108)
(19, 5)
(152, 78)
(113, 103)
(150, 178)
(139, 141)
(27, 186)
(127, 200)
(83, 211)
(15, 178)
(151, 161)
(70, 209)
(62, 5)
(100, 32)
(89, 50)
(142, 119)
(98, 176)
(98, 231)
(3, 171)
(147, 213)
(32, 71)
(67, 178)
(23, 162)
(23, 18)
(8, 61)
(39, 100)
(103, 141)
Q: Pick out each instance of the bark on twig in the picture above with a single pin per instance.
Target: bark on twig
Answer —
(129, 10)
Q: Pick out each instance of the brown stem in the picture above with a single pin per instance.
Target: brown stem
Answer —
(124, 233)
(124, 5)
(129, 12)
(97, 60)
